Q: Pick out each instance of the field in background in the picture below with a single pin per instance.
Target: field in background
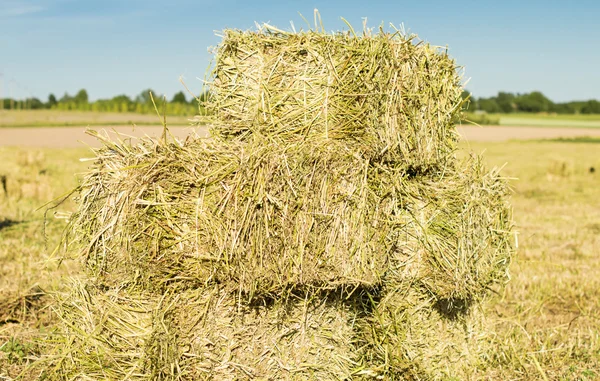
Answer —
(579, 121)
(547, 321)
(545, 325)
(54, 118)
(555, 120)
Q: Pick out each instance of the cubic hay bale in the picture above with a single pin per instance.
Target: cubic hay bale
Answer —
(201, 334)
(407, 337)
(294, 337)
(265, 217)
(455, 236)
(397, 96)
(100, 334)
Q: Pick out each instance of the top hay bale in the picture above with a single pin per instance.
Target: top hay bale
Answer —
(400, 98)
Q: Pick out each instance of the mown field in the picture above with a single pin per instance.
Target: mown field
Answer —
(551, 120)
(537, 120)
(545, 325)
(55, 118)
(579, 121)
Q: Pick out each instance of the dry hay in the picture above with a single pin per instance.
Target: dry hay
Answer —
(100, 335)
(409, 337)
(22, 307)
(270, 218)
(294, 337)
(149, 218)
(210, 334)
(456, 237)
(264, 217)
(397, 96)
(200, 334)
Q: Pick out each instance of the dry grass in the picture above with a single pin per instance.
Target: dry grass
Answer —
(201, 334)
(230, 211)
(33, 177)
(544, 324)
(397, 96)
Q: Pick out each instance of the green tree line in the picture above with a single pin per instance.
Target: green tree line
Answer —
(142, 103)
(503, 102)
(534, 102)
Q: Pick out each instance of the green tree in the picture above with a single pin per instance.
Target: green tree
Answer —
(488, 105)
(179, 98)
(533, 102)
(564, 108)
(144, 97)
(51, 101)
(591, 107)
(121, 99)
(35, 104)
(66, 98)
(121, 103)
(506, 102)
(81, 97)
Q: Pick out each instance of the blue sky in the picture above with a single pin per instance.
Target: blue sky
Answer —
(112, 47)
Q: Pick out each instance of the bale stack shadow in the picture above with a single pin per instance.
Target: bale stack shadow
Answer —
(326, 229)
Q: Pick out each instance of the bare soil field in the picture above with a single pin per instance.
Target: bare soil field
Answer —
(504, 133)
(73, 137)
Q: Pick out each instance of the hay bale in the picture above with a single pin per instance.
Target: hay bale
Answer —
(407, 337)
(202, 334)
(100, 334)
(210, 334)
(397, 96)
(262, 216)
(455, 235)
(307, 337)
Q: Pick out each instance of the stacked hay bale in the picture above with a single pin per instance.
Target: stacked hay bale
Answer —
(396, 99)
(325, 231)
